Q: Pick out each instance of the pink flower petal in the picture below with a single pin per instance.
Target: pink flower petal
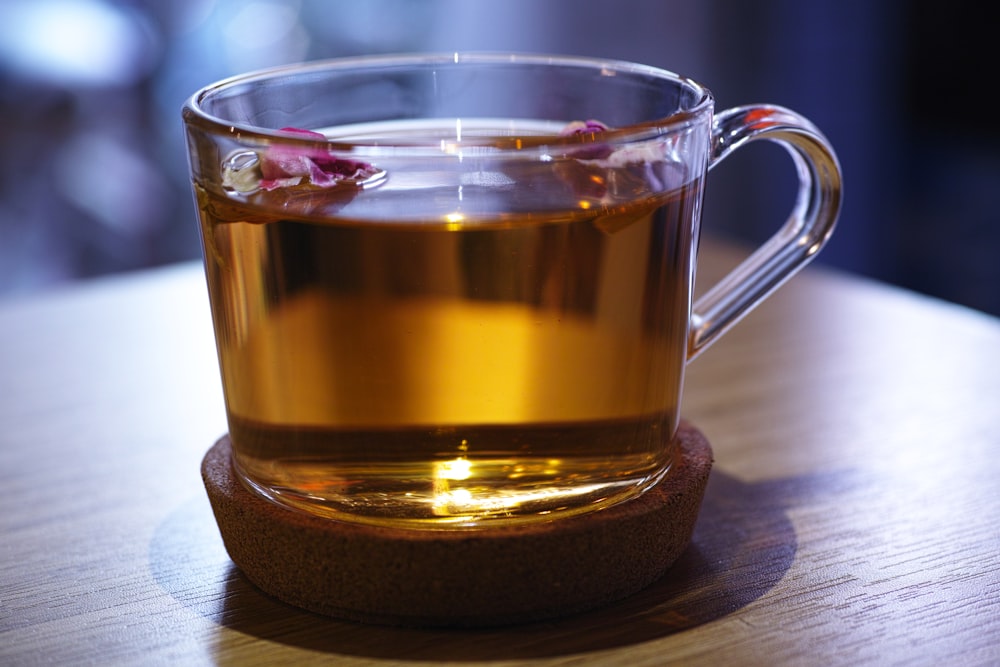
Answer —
(308, 133)
(583, 127)
(595, 151)
(283, 166)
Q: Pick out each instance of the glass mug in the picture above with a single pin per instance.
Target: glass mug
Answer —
(455, 291)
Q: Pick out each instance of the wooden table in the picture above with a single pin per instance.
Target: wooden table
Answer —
(853, 516)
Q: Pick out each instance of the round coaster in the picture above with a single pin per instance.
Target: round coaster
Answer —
(459, 578)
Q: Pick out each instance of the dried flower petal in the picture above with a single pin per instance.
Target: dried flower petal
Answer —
(312, 134)
(594, 151)
(283, 166)
(583, 127)
(601, 172)
(279, 166)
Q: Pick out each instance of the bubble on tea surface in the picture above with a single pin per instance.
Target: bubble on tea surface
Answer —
(241, 172)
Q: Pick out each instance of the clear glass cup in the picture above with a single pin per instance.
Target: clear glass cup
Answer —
(455, 291)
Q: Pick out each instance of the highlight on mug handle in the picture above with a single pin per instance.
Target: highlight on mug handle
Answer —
(806, 231)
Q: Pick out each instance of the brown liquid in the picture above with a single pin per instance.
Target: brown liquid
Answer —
(439, 369)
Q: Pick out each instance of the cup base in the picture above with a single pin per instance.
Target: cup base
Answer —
(459, 578)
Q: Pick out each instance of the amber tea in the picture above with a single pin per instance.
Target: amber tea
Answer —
(454, 291)
(445, 349)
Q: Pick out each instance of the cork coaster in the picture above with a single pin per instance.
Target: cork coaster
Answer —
(461, 578)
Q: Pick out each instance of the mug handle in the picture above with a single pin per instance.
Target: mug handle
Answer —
(799, 239)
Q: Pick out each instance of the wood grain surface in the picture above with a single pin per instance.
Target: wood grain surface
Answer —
(852, 517)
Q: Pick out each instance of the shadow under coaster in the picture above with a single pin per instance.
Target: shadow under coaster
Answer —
(459, 578)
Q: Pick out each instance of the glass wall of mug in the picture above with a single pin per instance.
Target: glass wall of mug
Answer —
(451, 291)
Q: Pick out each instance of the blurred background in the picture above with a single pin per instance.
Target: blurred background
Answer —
(93, 173)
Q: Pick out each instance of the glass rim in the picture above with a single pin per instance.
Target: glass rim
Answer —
(195, 114)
